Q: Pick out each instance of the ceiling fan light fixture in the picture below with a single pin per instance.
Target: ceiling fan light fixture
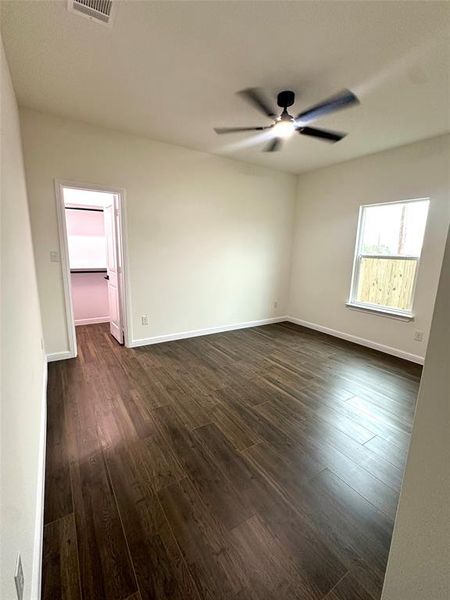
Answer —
(284, 129)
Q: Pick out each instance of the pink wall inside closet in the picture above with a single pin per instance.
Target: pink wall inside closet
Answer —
(87, 251)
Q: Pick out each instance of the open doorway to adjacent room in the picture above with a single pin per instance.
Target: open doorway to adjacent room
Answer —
(91, 233)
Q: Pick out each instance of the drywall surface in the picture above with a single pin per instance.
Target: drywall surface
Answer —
(326, 222)
(418, 566)
(87, 250)
(89, 298)
(23, 365)
(209, 239)
(86, 239)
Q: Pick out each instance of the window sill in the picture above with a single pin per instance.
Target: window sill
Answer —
(383, 312)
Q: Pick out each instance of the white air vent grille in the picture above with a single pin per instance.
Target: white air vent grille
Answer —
(100, 10)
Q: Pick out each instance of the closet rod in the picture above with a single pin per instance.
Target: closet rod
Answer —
(82, 208)
(88, 271)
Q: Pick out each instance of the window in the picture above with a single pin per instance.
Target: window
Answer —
(388, 249)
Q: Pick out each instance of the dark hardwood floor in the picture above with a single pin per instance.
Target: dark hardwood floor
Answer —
(257, 464)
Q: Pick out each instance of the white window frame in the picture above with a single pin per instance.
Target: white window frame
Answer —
(406, 314)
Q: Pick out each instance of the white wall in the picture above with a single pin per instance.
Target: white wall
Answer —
(90, 300)
(23, 365)
(209, 238)
(418, 566)
(86, 242)
(86, 239)
(325, 231)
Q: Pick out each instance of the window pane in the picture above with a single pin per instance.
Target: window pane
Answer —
(394, 229)
(386, 282)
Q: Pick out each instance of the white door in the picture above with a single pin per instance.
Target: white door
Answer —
(114, 268)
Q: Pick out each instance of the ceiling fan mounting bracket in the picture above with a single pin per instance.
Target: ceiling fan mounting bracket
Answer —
(285, 99)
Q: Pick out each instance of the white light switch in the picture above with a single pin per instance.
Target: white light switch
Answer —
(54, 256)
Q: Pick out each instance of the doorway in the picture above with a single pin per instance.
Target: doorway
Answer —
(91, 232)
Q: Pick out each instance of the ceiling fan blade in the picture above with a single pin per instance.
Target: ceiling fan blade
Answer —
(323, 134)
(236, 129)
(342, 99)
(256, 97)
(273, 146)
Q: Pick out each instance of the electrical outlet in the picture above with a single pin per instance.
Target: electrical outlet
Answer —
(18, 578)
(54, 256)
(418, 336)
(275, 304)
(144, 319)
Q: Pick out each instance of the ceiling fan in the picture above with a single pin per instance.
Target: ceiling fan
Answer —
(285, 124)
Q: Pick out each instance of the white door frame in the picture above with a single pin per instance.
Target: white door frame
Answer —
(60, 184)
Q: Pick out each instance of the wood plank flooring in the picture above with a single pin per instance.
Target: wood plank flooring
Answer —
(249, 465)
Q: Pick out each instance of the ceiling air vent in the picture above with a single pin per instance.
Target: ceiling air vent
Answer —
(97, 10)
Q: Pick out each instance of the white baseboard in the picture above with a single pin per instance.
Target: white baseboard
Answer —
(39, 524)
(170, 337)
(358, 340)
(210, 330)
(60, 356)
(92, 321)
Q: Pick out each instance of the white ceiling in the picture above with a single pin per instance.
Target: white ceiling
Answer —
(170, 70)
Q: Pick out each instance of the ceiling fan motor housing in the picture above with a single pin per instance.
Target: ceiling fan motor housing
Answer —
(285, 99)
